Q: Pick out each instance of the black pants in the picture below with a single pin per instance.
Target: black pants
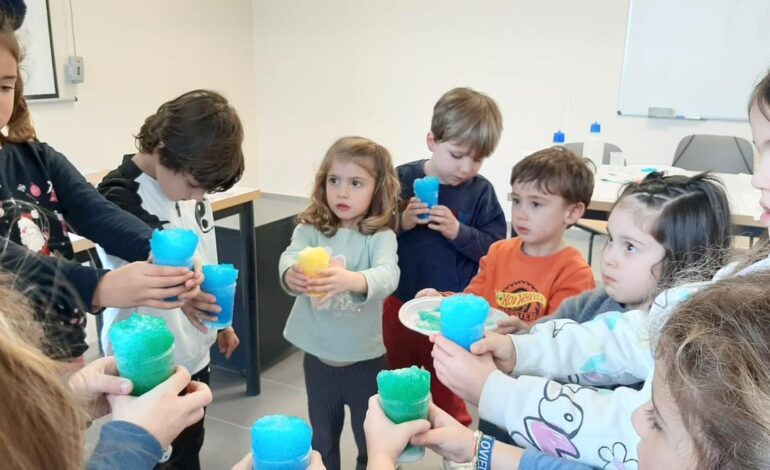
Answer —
(187, 445)
(329, 389)
(499, 434)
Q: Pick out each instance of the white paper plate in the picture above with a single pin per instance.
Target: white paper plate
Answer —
(409, 315)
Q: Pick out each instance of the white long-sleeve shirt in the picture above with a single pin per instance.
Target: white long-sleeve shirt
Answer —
(541, 408)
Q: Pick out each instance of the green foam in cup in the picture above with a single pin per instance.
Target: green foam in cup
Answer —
(143, 348)
(405, 396)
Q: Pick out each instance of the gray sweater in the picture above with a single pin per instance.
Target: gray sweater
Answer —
(586, 306)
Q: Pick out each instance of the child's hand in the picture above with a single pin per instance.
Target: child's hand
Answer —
(428, 292)
(227, 341)
(501, 347)
(142, 284)
(512, 324)
(443, 221)
(316, 462)
(194, 284)
(335, 280)
(91, 384)
(410, 218)
(386, 440)
(161, 411)
(295, 279)
(447, 437)
(201, 308)
(462, 372)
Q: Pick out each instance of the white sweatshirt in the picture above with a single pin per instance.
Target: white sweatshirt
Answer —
(577, 420)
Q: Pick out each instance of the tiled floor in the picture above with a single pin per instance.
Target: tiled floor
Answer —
(283, 391)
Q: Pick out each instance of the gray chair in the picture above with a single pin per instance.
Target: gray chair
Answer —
(593, 227)
(719, 153)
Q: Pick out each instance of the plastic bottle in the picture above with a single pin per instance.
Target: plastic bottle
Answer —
(558, 138)
(593, 147)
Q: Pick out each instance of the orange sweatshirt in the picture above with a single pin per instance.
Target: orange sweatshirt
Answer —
(527, 286)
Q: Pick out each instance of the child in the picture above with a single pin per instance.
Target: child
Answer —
(443, 251)
(709, 406)
(529, 276)
(45, 416)
(191, 146)
(351, 212)
(42, 196)
(660, 229)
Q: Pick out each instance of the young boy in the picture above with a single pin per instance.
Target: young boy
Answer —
(444, 249)
(529, 276)
(191, 146)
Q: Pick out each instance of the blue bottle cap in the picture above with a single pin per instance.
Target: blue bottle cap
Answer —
(596, 128)
(558, 138)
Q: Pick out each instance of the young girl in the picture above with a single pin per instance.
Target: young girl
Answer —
(709, 406)
(42, 197)
(44, 417)
(659, 229)
(351, 213)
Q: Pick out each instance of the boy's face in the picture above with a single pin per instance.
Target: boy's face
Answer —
(539, 218)
(178, 186)
(452, 163)
(760, 130)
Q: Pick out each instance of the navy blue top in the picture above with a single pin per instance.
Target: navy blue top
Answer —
(125, 446)
(425, 257)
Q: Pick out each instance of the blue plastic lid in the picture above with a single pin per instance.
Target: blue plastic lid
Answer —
(596, 128)
(558, 138)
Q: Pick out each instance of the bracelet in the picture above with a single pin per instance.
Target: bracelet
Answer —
(473, 464)
(484, 452)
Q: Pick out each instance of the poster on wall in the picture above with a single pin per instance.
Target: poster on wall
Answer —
(38, 69)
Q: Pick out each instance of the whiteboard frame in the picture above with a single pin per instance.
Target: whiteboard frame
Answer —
(55, 94)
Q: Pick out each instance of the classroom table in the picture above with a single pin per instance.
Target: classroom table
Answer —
(744, 199)
(239, 201)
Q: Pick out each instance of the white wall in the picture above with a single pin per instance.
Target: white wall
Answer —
(376, 68)
(138, 54)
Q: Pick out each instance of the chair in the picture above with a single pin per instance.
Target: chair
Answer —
(593, 227)
(718, 153)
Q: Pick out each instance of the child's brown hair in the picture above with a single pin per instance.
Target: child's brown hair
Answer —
(197, 133)
(715, 351)
(20, 127)
(761, 96)
(467, 117)
(375, 159)
(556, 170)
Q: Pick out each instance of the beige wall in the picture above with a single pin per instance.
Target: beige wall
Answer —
(138, 54)
(334, 67)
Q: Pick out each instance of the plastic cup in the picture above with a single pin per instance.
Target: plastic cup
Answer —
(280, 442)
(405, 396)
(173, 247)
(313, 260)
(220, 280)
(143, 348)
(426, 190)
(462, 318)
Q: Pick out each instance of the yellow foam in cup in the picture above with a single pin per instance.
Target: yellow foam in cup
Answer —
(312, 260)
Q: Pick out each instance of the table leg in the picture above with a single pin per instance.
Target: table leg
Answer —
(248, 275)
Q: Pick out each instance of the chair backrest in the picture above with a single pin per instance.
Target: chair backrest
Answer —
(577, 149)
(719, 153)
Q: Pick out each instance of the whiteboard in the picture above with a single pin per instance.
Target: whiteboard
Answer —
(694, 58)
(38, 68)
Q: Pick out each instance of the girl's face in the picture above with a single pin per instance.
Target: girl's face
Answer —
(8, 70)
(665, 442)
(760, 130)
(349, 189)
(631, 259)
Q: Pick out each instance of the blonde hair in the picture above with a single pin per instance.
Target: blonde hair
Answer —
(20, 127)
(715, 349)
(467, 117)
(375, 159)
(40, 424)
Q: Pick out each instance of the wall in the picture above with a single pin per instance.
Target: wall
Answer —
(139, 54)
(376, 68)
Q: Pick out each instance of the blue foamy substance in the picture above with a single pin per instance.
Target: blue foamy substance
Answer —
(464, 310)
(218, 275)
(279, 438)
(173, 247)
